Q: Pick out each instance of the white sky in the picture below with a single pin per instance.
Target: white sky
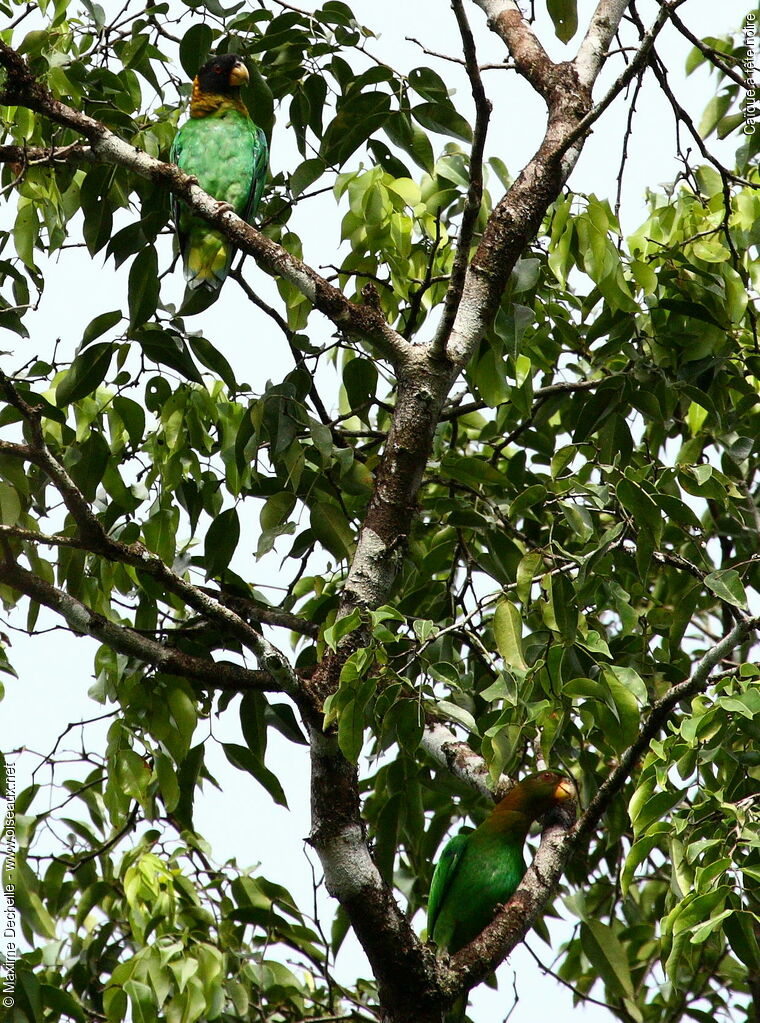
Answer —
(56, 670)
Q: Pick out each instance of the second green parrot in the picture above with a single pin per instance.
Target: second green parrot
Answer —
(227, 153)
(481, 870)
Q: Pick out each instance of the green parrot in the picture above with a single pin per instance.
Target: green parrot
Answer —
(227, 153)
(481, 870)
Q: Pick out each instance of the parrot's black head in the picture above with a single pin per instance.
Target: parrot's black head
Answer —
(222, 75)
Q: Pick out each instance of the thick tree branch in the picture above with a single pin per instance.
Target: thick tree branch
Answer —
(442, 745)
(592, 52)
(251, 611)
(424, 383)
(20, 87)
(84, 621)
(475, 189)
(531, 59)
(404, 968)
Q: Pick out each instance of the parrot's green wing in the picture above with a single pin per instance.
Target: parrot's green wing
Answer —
(228, 155)
(175, 154)
(258, 173)
(443, 875)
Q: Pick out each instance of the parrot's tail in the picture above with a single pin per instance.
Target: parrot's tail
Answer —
(207, 258)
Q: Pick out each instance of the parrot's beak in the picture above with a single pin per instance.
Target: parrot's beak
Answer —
(239, 74)
(565, 790)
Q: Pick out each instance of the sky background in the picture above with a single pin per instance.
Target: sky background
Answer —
(55, 669)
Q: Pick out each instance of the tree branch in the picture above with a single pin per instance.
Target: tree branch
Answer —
(47, 156)
(84, 621)
(531, 59)
(658, 716)
(636, 64)
(404, 968)
(560, 839)
(442, 745)
(99, 542)
(364, 321)
(424, 383)
(514, 920)
(592, 52)
(715, 57)
(474, 191)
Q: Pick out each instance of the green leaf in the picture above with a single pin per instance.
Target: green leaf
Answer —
(210, 357)
(454, 713)
(132, 416)
(585, 688)
(639, 851)
(245, 760)
(507, 629)
(443, 119)
(351, 730)
(357, 118)
(626, 711)
(142, 1001)
(565, 607)
(25, 233)
(352, 717)
(160, 532)
(195, 48)
(741, 931)
(133, 775)
(330, 527)
(360, 381)
(306, 174)
(411, 139)
(727, 585)
(564, 15)
(221, 542)
(167, 348)
(143, 287)
(281, 717)
(653, 809)
(30, 906)
(99, 325)
(167, 781)
(184, 717)
(530, 566)
(641, 506)
(86, 373)
(607, 955)
(428, 84)
(10, 505)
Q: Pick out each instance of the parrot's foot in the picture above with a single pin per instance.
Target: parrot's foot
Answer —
(224, 207)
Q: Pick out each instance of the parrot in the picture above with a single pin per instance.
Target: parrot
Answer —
(479, 871)
(227, 153)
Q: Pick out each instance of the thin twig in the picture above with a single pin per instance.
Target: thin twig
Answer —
(714, 56)
(290, 336)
